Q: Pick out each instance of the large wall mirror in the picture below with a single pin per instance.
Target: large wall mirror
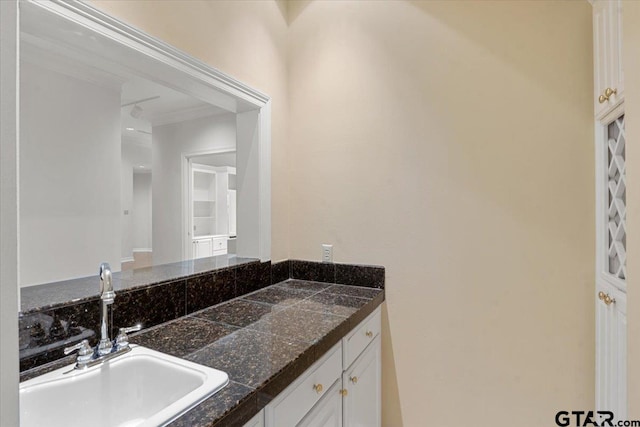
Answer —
(131, 152)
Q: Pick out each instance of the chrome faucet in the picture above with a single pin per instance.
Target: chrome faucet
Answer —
(107, 296)
(106, 349)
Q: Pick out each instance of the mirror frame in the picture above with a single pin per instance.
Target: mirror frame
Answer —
(253, 146)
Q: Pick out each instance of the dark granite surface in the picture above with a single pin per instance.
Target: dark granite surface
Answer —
(262, 340)
(370, 276)
(37, 298)
(45, 332)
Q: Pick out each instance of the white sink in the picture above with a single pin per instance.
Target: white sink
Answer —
(141, 388)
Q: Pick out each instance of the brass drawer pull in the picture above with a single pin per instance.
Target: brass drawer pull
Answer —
(601, 295)
(317, 388)
(343, 392)
(354, 380)
(369, 334)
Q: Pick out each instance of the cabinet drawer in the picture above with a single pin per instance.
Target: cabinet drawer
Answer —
(290, 406)
(219, 244)
(358, 339)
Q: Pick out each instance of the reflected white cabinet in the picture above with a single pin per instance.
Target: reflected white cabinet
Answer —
(611, 350)
(209, 246)
(212, 209)
(202, 248)
(607, 53)
(362, 384)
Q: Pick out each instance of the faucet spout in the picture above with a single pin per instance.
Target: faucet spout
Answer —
(107, 296)
(106, 284)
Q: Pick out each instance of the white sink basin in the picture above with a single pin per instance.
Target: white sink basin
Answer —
(141, 388)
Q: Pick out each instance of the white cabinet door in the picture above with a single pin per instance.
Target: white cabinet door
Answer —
(257, 421)
(328, 411)
(202, 248)
(362, 384)
(611, 350)
(607, 51)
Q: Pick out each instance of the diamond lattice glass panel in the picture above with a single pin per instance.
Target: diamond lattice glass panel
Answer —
(616, 199)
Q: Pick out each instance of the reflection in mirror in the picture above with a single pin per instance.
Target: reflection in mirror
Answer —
(117, 168)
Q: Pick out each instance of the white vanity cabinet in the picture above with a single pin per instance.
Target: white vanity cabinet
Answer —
(362, 384)
(328, 411)
(257, 421)
(343, 388)
(607, 54)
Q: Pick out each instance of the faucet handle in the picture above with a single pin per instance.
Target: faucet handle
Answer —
(85, 352)
(122, 340)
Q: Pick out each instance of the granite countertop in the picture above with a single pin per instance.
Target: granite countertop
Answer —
(263, 341)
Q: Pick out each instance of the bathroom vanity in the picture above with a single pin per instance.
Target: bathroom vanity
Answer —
(297, 352)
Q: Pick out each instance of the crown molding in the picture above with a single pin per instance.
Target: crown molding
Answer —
(52, 57)
(186, 114)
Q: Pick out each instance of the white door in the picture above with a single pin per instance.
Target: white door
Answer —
(202, 248)
(328, 411)
(362, 383)
(611, 350)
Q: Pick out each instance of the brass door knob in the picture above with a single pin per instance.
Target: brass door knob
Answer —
(602, 99)
(354, 380)
(317, 388)
(343, 392)
(601, 295)
(369, 334)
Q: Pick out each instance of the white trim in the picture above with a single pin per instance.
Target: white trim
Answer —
(186, 166)
(141, 250)
(126, 260)
(42, 54)
(105, 25)
(186, 114)
(9, 214)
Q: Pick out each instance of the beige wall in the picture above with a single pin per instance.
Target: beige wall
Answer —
(451, 142)
(246, 39)
(631, 58)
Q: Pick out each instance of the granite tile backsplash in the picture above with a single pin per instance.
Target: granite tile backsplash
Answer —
(370, 276)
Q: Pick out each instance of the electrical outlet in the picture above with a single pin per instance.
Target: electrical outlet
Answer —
(327, 253)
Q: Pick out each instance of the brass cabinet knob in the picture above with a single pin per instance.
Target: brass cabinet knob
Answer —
(369, 334)
(343, 392)
(317, 388)
(608, 300)
(354, 380)
(607, 94)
